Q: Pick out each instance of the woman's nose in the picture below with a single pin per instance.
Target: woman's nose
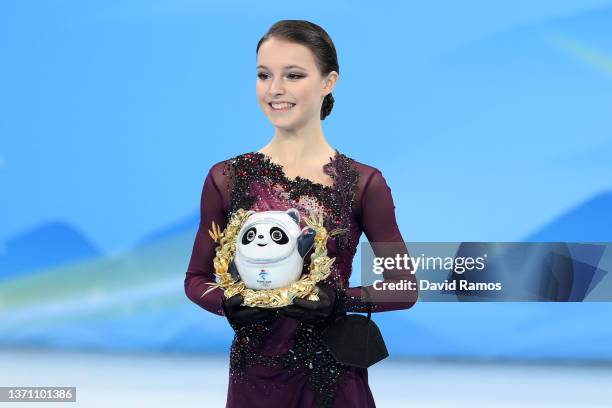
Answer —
(277, 87)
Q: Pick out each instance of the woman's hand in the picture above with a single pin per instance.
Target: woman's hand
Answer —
(239, 315)
(311, 311)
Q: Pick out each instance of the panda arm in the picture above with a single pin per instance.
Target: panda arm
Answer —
(200, 271)
(379, 224)
(233, 270)
(306, 241)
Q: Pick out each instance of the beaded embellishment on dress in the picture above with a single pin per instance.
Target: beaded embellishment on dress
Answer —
(336, 200)
(255, 182)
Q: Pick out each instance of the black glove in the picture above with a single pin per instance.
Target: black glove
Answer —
(239, 316)
(312, 311)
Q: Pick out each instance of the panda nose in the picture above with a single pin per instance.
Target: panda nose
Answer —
(260, 236)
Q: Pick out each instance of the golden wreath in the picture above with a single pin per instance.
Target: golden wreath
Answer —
(320, 264)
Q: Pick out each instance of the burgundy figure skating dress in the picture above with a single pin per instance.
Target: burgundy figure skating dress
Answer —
(283, 363)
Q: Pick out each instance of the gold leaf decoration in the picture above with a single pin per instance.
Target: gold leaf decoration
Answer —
(319, 268)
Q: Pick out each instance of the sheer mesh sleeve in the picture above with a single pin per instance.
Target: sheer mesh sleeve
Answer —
(200, 270)
(379, 224)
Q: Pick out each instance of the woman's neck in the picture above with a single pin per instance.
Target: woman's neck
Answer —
(303, 145)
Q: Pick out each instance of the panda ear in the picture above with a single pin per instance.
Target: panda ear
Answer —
(295, 214)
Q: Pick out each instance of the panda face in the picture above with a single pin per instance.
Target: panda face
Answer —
(275, 233)
(265, 240)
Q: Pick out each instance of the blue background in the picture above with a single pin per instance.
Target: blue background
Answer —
(490, 121)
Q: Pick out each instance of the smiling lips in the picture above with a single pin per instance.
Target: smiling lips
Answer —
(281, 106)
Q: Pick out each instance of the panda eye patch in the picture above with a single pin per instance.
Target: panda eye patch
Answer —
(278, 235)
(249, 236)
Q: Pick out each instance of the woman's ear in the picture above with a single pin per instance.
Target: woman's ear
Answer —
(330, 82)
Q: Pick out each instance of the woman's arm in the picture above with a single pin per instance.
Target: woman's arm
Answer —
(201, 269)
(380, 227)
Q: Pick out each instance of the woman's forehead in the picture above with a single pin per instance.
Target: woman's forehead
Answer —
(279, 54)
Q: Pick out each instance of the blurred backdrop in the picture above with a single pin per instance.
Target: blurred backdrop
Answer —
(491, 121)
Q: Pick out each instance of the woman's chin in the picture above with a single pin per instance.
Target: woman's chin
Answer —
(282, 122)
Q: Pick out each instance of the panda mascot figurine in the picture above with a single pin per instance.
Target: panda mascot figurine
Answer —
(270, 249)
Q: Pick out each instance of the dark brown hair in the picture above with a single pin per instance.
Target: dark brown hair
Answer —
(317, 40)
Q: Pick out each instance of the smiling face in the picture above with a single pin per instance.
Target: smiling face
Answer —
(265, 240)
(262, 238)
(287, 72)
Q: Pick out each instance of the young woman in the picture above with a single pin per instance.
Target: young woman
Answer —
(277, 357)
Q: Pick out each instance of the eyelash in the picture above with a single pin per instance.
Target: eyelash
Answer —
(295, 76)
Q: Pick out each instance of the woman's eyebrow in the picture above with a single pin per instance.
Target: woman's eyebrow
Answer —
(287, 67)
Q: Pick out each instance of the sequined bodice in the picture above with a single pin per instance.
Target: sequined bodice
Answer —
(261, 185)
